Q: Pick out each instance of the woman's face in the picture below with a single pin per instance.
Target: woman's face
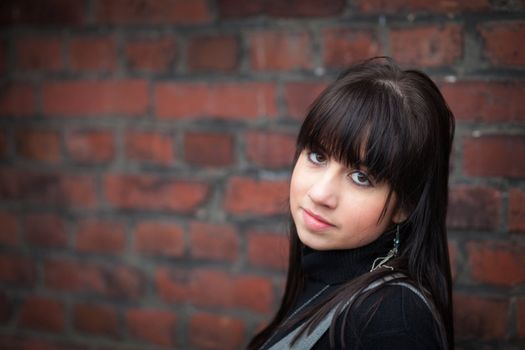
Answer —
(335, 207)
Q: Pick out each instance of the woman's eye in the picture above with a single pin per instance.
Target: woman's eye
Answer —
(316, 158)
(360, 178)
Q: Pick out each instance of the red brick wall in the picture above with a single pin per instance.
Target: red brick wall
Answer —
(145, 150)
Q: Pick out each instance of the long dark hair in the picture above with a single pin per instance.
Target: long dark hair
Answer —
(397, 123)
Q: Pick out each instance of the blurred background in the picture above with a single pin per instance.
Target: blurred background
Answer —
(145, 151)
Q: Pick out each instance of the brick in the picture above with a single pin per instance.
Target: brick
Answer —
(17, 99)
(219, 100)
(3, 57)
(95, 319)
(494, 155)
(474, 207)
(486, 101)
(153, 12)
(500, 43)
(343, 46)
(90, 146)
(93, 54)
(254, 293)
(49, 12)
(81, 98)
(213, 53)
(213, 241)
(215, 332)
(38, 343)
(300, 95)
(279, 50)
(110, 281)
(17, 270)
(229, 291)
(150, 147)
(411, 6)
(478, 317)
(268, 250)
(487, 261)
(154, 193)
(520, 317)
(4, 144)
(430, 46)
(270, 149)
(159, 238)
(38, 144)
(48, 188)
(154, 326)
(208, 149)
(42, 313)
(45, 230)
(33, 53)
(6, 309)
(9, 235)
(100, 236)
(453, 253)
(276, 8)
(246, 196)
(516, 218)
(151, 54)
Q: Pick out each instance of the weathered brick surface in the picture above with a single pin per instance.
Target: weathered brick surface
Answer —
(17, 99)
(78, 98)
(101, 236)
(213, 53)
(146, 149)
(488, 259)
(343, 46)
(499, 39)
(223, 101)
(209, 331)
(96, 319)
(39, 54)
(90, 146)
(486, 101)
(151, 54)
(209, 149)
(9, 229)
(158, 238)
(270, 149)
(40, 145)
(430, 46)
(478, 317)
(152, 12)
(280, 50)
(516, 219)
(45, 230)
(150, 147)
(153, 326)
(213, 242)
(93, 53)
(42, 313)
(494, 155)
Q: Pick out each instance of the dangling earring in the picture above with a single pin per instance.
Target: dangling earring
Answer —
(391, 254)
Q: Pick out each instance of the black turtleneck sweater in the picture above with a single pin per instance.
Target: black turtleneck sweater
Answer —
(402, 319)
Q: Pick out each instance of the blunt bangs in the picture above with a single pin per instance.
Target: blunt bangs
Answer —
(357, 124)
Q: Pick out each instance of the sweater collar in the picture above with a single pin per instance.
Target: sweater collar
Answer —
(338, 266)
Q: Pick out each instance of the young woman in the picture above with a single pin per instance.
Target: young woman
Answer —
(369, 265)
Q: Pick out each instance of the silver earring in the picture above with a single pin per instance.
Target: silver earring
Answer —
(392, 253)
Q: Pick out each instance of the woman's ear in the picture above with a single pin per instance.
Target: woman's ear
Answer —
(399, 216)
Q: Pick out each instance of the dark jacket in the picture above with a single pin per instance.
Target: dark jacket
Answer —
(400, 319)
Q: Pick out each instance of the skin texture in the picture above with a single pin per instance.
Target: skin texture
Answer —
(335, 207)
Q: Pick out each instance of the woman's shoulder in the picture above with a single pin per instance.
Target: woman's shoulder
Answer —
(395, 316)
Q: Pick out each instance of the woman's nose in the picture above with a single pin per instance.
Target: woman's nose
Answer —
(325, 190)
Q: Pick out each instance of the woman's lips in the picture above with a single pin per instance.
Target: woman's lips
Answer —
(315, 222)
